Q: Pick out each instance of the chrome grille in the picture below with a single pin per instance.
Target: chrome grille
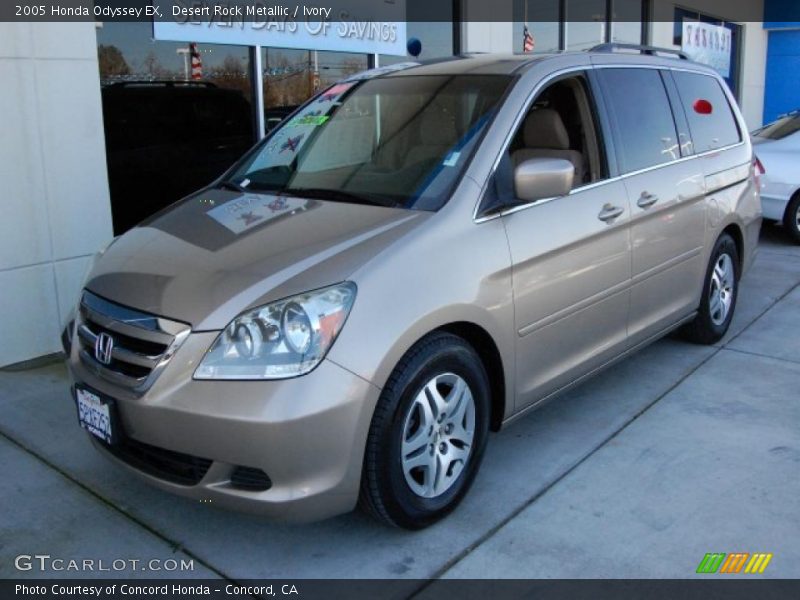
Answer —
(142, 344)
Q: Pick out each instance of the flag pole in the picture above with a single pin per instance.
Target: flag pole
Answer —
(525, 24)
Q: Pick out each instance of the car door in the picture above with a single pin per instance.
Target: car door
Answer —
(666, 193)
(570, 275)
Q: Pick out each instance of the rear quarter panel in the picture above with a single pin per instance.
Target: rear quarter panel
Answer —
(732, 194)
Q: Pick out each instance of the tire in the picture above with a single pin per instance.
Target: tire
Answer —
(791, 218)
(407, 430)
(716, 308)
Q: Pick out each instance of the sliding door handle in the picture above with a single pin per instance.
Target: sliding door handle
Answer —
(646, 200)
(610, 212)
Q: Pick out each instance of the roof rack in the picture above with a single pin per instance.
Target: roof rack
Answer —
(650, 50)
(164, 83)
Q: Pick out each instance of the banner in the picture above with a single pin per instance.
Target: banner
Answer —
(708, 44)
(356, 26)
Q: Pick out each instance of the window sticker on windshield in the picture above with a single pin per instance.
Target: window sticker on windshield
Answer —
(382, 71)
(452, 159)
(291, 143)
(333, 93)
(312, 119)
(251, 210)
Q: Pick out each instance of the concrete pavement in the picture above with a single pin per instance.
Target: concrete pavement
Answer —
(677, 451)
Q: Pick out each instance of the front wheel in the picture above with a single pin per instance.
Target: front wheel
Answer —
(791, 218)
(720, 291)
(427, 435)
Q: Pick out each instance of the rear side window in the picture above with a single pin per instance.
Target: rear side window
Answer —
(710, 130)
(642, 123)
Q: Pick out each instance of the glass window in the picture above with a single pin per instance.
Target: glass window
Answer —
(732, 77)
(542, 20)
(126, 51)
(716, 129)
(586, 23)
(584, 35)
(436, 39)
(545, 37)
(288, 80)
(292, 76)
(626, 26)
(560, 123)
(392, 141)
(430, 22)
(642, 118)
(333, 66)
(168, 133)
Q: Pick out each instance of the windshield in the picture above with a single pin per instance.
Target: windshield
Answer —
(396, 141)
(779, 129)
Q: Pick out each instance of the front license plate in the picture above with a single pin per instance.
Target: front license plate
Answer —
(95, 414)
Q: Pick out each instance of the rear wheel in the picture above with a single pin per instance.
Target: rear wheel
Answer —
(427, 435)
(791, 218)
(720, 291)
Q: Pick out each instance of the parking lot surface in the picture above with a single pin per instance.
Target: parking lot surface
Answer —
(678, 451)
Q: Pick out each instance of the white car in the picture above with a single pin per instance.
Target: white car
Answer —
(777, 146)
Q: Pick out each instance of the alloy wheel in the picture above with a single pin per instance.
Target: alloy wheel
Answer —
(720, 292)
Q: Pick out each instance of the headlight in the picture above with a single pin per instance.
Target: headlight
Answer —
(283, 339)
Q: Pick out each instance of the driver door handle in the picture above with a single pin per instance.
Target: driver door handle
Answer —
(610, 212)
(646, 200)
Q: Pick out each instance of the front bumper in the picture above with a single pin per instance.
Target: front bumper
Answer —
(307, 434)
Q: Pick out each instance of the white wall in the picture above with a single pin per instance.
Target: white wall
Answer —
(487, 37)
(754, 72)
(754, 51)
(55, 205)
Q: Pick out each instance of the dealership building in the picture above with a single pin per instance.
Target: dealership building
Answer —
(60, 150)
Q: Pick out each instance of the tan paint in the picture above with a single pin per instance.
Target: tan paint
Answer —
(561, 293)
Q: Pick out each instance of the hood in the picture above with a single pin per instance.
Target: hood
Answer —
(217, 253)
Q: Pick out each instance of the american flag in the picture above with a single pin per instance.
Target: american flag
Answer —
(527, 40)
(197, 64)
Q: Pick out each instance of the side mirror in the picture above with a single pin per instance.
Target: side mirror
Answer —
(539, 178)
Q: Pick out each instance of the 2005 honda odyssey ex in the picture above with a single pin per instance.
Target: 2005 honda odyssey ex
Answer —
(416, 256)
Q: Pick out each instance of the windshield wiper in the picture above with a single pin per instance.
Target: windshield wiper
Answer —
(338, 196)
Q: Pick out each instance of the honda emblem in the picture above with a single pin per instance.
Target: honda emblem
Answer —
(103, 347)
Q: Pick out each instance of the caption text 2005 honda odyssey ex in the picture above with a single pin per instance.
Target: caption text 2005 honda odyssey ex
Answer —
(418, 255)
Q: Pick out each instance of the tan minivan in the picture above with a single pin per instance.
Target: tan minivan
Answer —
(419, 254)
